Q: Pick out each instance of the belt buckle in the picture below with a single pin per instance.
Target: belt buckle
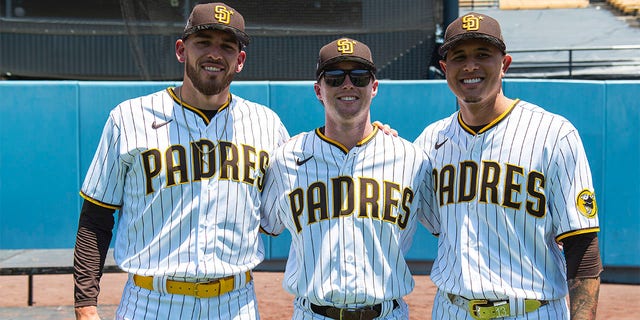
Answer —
(472, 307)
(482, 310)
(211, 290)
(364, 313)
(343, 310)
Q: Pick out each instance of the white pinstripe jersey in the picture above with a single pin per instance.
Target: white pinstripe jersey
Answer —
(178, 216)
(352, 215)
(506, 195)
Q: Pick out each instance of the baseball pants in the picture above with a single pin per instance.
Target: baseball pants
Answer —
(139, 303)
(443, 308)
(302, 311)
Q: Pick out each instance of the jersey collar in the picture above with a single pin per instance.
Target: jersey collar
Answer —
(490, 124)
(196, 110)
(322, 136)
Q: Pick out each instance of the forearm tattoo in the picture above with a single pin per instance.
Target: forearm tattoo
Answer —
(583, 297)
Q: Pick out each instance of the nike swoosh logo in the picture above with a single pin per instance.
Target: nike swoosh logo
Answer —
(439, 144)
(156, 125)
(303, 161)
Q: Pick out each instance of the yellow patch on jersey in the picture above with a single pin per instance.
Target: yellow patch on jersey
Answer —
(586, 203)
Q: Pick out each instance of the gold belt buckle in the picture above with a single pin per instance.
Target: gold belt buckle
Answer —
(206, 289)
(481, 310)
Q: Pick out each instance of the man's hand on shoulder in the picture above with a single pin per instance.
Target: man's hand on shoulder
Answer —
(385, 128)
(87, 313)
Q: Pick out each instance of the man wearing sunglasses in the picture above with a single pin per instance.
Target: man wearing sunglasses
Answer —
(350, 196)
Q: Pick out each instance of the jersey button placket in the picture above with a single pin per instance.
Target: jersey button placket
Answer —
(345, 168)
(348, 263)
(475, 155)
(476, 148)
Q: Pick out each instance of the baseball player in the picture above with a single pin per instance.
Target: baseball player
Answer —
(513, 185)
(351, 198)
(181, 167)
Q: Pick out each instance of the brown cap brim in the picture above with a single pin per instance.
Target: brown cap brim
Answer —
(242, 37)
(216, 16)
(344, 49)
(368, 65)
(468, 36)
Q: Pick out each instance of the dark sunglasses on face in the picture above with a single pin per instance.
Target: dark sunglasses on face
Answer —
(358, 77)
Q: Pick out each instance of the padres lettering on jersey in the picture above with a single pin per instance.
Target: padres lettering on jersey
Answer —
(185, 185)
(491, 182)
(352, 215)
(345, 192)
(523, 178)
(228, 160)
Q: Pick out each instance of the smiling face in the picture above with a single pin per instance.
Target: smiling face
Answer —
(474, 70)
(346, 102)
(212, 58)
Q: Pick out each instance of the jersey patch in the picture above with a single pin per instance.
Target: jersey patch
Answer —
(586, 203)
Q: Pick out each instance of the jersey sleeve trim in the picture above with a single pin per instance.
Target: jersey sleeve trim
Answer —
(99, 203)
(268, 233)
(576, 232)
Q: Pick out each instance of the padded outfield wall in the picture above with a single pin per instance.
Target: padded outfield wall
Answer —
(50, 130)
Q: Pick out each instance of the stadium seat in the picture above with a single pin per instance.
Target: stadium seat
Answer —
(628, 7)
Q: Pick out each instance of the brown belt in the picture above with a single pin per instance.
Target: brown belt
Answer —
(486, 309)
(362, 313)
(213, 288)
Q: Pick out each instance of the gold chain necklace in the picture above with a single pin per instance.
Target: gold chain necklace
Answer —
(193, 140)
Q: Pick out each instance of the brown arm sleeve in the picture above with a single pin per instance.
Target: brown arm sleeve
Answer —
(92, 243)
(583, 256)
(583, 274)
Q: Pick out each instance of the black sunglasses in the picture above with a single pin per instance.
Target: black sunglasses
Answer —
(335, 78)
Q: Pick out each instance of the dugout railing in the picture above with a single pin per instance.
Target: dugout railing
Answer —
(602, 63)
(31, 262)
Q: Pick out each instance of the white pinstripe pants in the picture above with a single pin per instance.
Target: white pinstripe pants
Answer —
(139, 303)
(444, 309)
(302, 311)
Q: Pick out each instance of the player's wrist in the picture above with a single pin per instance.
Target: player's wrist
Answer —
(85, 302)
(86, 312)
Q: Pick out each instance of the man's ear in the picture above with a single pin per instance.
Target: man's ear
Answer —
(316, 88)
(374, 88)
(506, 62)
(241, 59)
(180, 50)
(443, 65)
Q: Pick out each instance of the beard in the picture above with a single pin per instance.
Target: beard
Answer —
(206, 85)
(471, 99)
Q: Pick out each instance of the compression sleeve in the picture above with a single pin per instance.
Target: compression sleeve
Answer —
(583, 256)
(92, 243)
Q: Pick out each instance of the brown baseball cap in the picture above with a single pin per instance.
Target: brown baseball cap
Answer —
(345, 49)
(218, 16)
(473, 26)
